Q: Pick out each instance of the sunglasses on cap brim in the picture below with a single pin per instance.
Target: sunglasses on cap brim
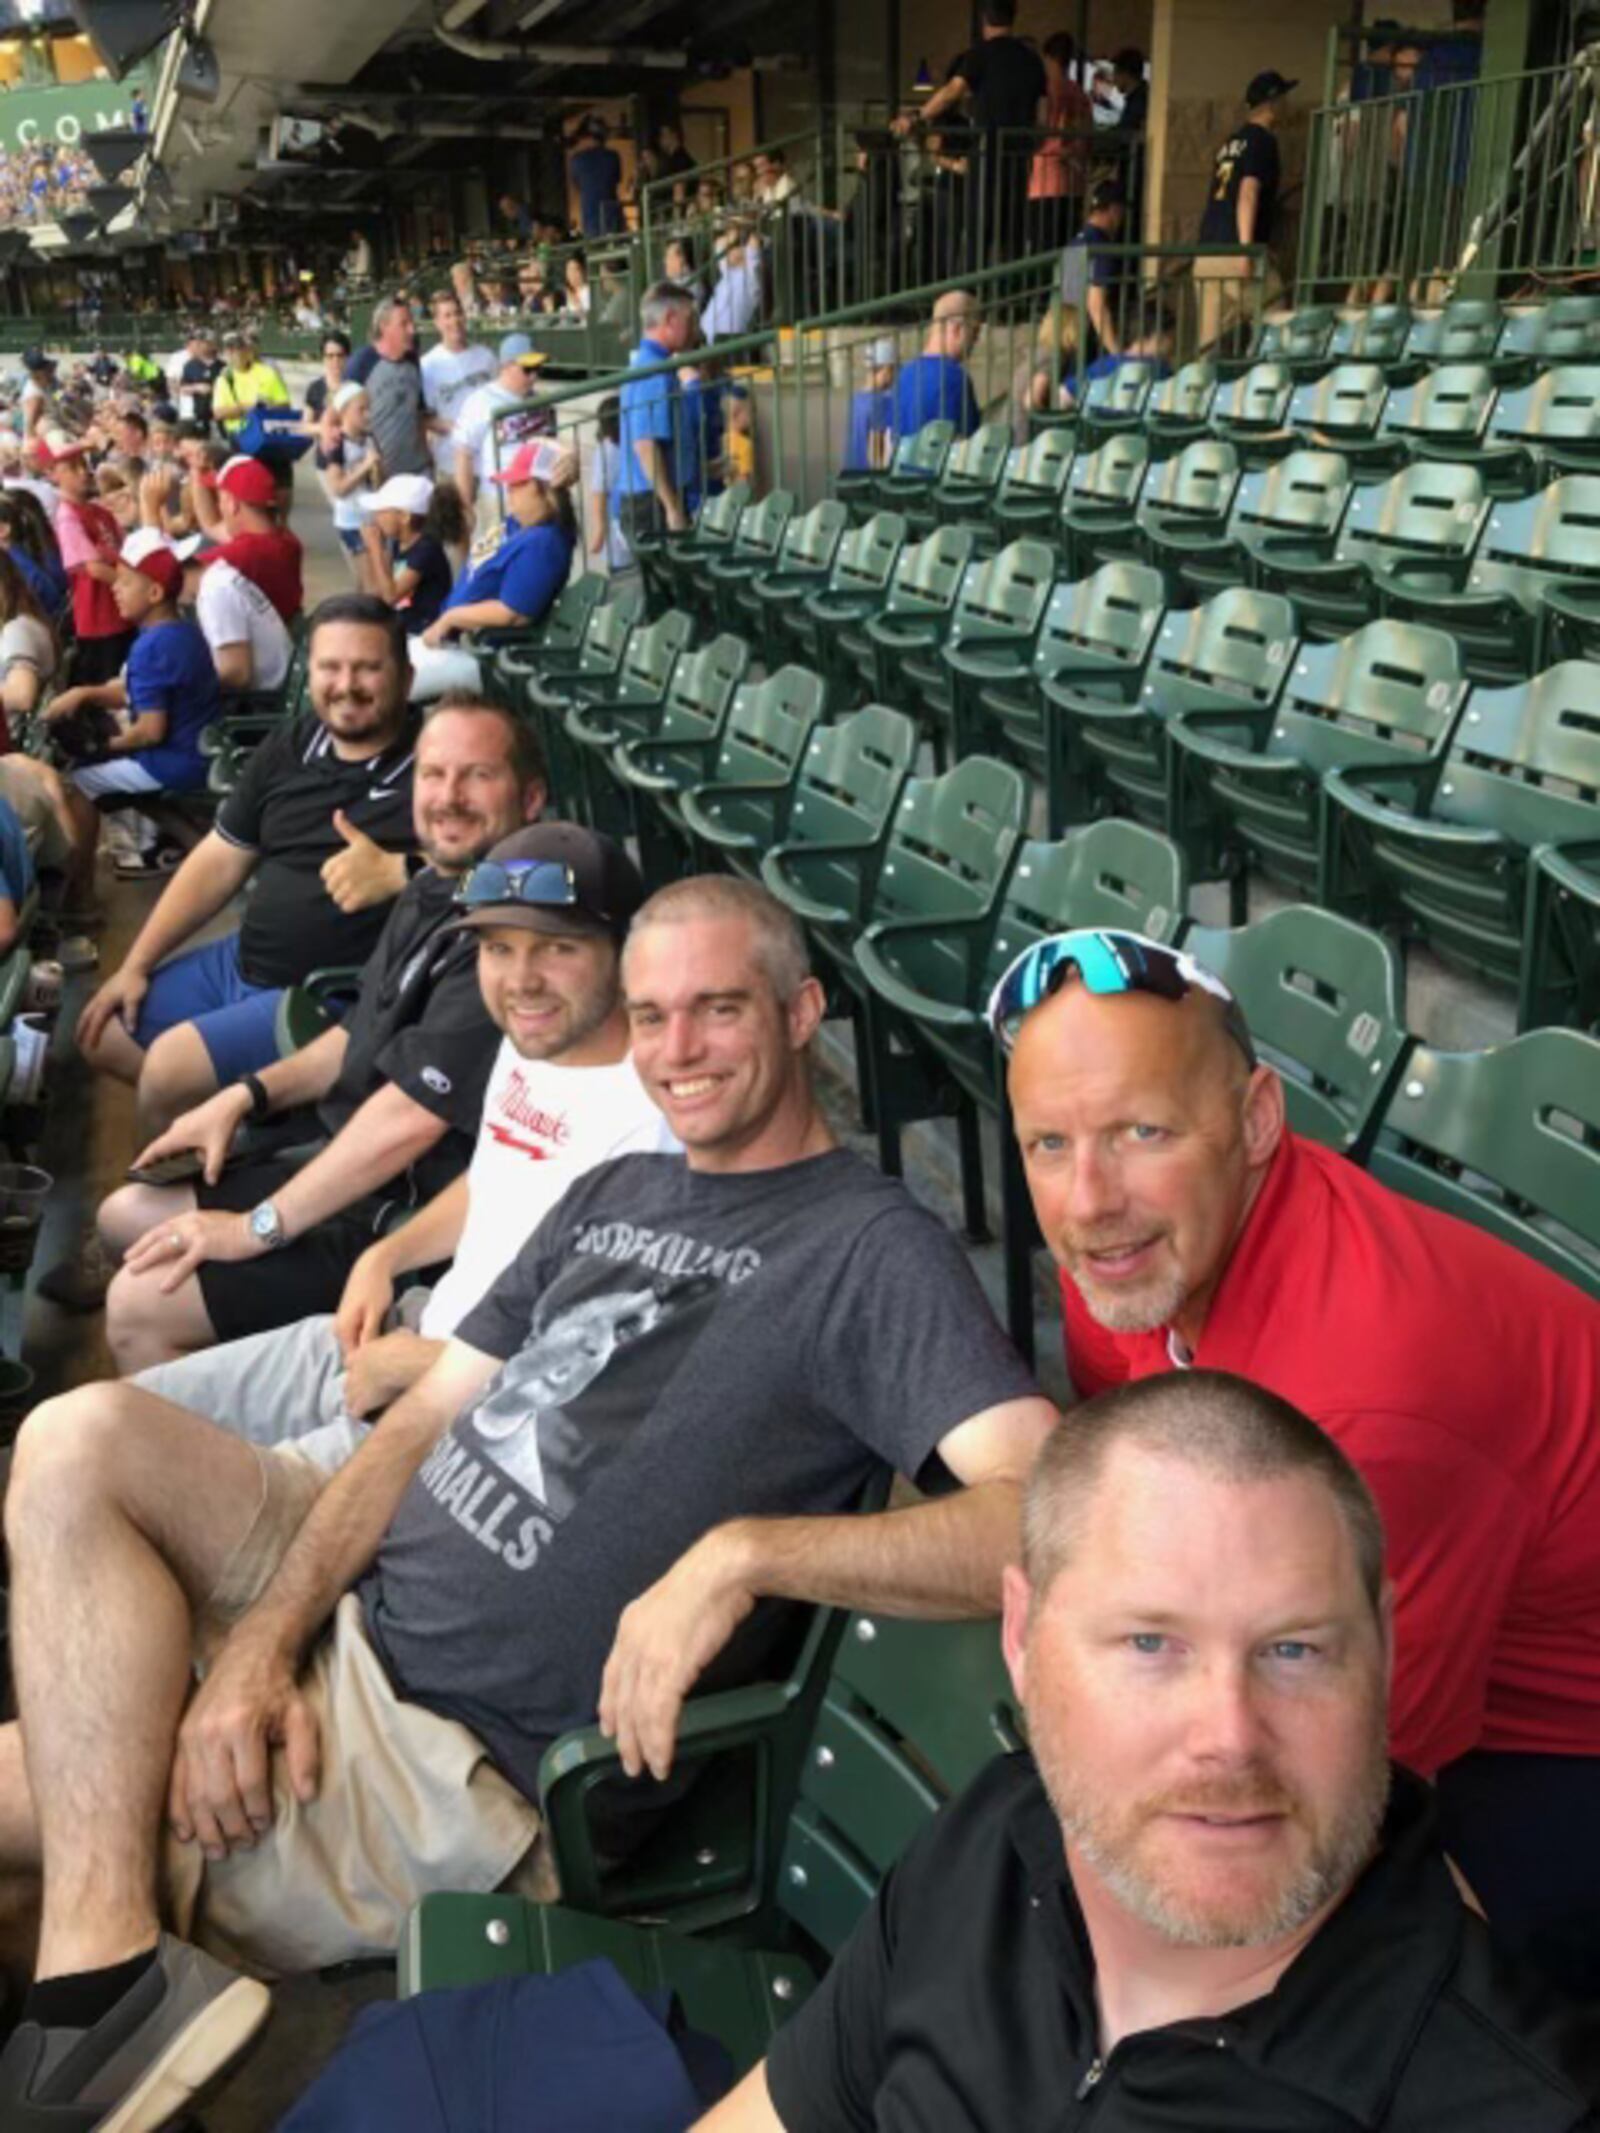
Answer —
(1105, 964)
(518, 881)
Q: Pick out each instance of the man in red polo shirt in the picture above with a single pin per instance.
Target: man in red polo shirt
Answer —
(1192, 1227)
(90, 542)
(253, 541)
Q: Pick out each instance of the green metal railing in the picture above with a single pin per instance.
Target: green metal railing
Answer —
(1446, 190)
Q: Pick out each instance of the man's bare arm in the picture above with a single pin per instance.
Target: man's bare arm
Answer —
(747, 2110)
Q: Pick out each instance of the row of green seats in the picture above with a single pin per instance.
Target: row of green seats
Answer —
(1516, 340)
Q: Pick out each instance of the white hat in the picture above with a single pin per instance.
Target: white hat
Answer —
(351, 389)
(882, 352)
(145, 541)
(412, 493)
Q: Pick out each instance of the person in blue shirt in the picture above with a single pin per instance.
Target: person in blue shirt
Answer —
(167, 693)
(701, 423)
(596, 171)
(870, 442)
(650, 500)
(1092, 267)
(934, 386)
(16, 874)
(516, 583)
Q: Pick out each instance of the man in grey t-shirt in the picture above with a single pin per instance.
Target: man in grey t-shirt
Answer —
(395, 410)
(646, 1439)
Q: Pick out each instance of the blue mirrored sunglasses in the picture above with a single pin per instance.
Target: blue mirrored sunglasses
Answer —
(1106, 963)
(517, 881)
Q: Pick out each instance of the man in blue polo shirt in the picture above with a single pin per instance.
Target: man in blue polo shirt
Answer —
(934, 386)
(648, 495)
(516, 583)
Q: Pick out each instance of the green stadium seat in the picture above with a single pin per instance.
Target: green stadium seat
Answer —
(967, 486)
(1415, 533)
(742, 809)
(1115, 401)
(1252, 411)
(1029, 497)
(1341, 412)
(1561, 971)
(1184, 506)
(1179, 409)
(857, 583)
(917, 463)
(1093, 643)
(810, 548)
(1389, 693)
(668, 570)
(912, 1712)
(1370, 333)
(1284, 515)
(305, 1010)
(991, 637)
(926, 1025)
(916, 615)
(846, 796)
(1324, 999)
(715, 582)
(1565, 329)
(561, 631)
(1100, 500)
(1509, 1140)
(702, 687)
(596, 664)
(1445, 845)
(1301, 339)
(1465, 330)
(603, 713)
(1551, 426)
(1444, 414)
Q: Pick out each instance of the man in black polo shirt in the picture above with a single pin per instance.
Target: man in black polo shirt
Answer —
(391, 1097)
(1003, 83)
(1206, 1899)
(1243, 197)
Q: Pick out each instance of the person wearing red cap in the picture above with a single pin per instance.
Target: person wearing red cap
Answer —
(89, 538)
(516, 585)
(245, 494)
(168, 689)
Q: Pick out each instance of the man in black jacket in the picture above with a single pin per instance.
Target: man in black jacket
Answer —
(1207, 1899)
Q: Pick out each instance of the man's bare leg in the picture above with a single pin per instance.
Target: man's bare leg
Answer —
(125, 1215)
(177, 1074)
(116, 1053)
(144, 1328)
(110, 1557)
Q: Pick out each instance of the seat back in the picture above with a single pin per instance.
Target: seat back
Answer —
(1039, 468)
(1259, 400)
(1188, 396)
(718, 517)
(1551, 537)
(1525, 761)
(847, 792)
(1390, 689)
(1564, 330)
(1562, 407)
(768, 725)
(1120, 394)
(1005, 595)
(653, 651)
(762, 526)
(868, 555)
(1236, 650)
(978, 461)
(1348, 402)
(1324, 999)
(1376, 333)
(1109, 475)
(1301, 336)
(928, 576)
(568, 618)
(1306, 492)
(922, 455)
(1509, 1140)
(1467, 330)
(811, 541)
(1111, 873)
(1112, 615)
(951, 842)
(1450, 405)
(607, 634)
(912, 1712)
(1201, 481)
(702, 688)
(1432, 510)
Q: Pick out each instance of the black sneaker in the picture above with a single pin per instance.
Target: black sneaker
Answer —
(79, 1284)
(153, 865)
(141, 2065)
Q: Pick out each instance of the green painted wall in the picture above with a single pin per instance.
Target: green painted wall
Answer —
(29, 116)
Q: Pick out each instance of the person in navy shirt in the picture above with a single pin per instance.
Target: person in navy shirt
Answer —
(596, 172)
(168, 694)
(649, 498)
(516, 584)
(871, 435)
(934, 386)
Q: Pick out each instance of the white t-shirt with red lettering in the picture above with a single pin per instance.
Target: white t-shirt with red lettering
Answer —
(543, 1126)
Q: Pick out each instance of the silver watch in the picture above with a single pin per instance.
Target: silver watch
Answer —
(266, 1226)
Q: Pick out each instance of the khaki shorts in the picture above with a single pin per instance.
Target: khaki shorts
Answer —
(407, 1802)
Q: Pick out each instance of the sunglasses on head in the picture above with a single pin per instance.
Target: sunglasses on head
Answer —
(1106, 963)
(518, 881)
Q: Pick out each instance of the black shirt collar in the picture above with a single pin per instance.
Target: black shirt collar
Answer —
(1340, 2023)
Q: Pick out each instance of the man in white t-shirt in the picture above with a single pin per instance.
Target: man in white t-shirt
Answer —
(479, 447)
(451, 372)
(562, 1097)
(249, 639)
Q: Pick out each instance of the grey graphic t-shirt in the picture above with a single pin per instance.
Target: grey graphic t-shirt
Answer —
(678, 1350)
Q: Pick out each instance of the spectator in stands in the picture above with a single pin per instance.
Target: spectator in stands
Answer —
(1205, 1887)
(239, 503)
(350, 758)
(250, 643)
(28, 539)
(167, 694)
(389, 1100)
(742, 183)
(1133, 123)
(562, 1097)
(245, 382)
(1242, 201)
(394, 392)
(651, 417)
(674, 160)
(1060, 172)
(1192, 1227)
(198, 378)
(870, 443)
(934, 386)
(734, 306)
(514, 213)
(1002, 81)
(577, 294)
(499, 417)
(320, 392)
(596, 172)
(410, 527)
(771, 1279)
(1092, 270)
(604, 537)
(774, 182)
(452, 370)
(515, 585)
(90, 544)
(348, 467)
(38, 391)
(28, 654)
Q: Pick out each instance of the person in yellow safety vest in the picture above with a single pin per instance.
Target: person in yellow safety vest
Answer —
(245, 382)
(142, 369)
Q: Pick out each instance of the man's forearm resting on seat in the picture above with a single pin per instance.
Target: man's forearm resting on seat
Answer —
(385, 1137)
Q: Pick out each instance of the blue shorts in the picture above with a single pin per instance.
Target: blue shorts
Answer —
(350, 539)
(237, 1022)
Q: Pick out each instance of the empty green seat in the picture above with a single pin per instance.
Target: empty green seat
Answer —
(1446, 843)
(1029, 498)
(1184, 505)
(1342, 410)
(596, 650)
(1561, 970)
(1552, 426)
(1300, 338)
(548, 692)
(1465, 330)
(1180, 407)
(1509, 1140)
(1284, 514)
(971, 475)
(761, 736)
(1370, 333)
(1324, 999)
(679, 741)
(917, 463)
(1254, 407)
(857, 583)
(1391, 692)
(1564, 329)
(1093, 643)
(1445, 414)
(1117, 399)
(915, 616)
(742, 807)
(1100, 499)
(669, 569)
(561, 631)
(602, 712)
(1416, 533)
(806, 556)
(846, 794)
(991, 637)
(716, 581)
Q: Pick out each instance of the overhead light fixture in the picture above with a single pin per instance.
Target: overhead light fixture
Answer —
(114, 150)
(125, 31)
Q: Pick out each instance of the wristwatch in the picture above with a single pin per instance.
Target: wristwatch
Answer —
(266, 1226)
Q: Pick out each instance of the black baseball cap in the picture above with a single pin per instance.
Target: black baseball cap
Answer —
(601, 890)
(1110, 192)
(1265, 87)
(36, 359)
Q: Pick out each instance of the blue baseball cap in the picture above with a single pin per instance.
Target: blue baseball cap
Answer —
(517, 348)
